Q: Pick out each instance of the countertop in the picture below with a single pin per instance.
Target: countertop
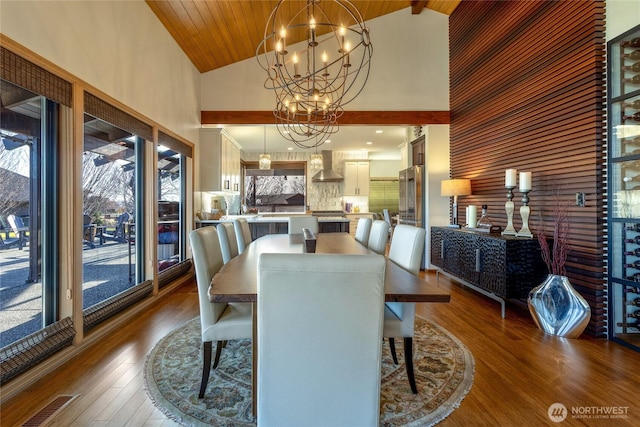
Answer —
(253, 219)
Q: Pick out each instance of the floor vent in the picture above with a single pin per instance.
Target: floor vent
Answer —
(48, 412)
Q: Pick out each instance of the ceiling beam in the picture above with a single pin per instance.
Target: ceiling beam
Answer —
(392, 118)
(417, 7)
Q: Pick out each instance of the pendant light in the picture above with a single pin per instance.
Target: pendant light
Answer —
(316, 159)
(265, 159)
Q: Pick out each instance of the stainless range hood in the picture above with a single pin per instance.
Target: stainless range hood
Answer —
(327, 174)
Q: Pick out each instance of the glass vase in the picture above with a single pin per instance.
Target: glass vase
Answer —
(557, 308)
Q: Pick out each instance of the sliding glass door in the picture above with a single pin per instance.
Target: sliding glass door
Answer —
(28, 277)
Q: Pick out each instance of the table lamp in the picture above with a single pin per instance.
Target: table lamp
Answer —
(455, 188)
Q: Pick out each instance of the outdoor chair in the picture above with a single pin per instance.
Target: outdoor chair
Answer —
(10, 242)
(119, 234)
(17, 226)
(89, 232)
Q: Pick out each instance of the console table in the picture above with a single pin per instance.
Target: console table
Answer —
(500, 267)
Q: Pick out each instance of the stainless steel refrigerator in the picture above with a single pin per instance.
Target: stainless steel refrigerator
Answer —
(411, 199)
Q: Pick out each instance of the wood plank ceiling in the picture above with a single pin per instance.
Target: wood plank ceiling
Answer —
(215, 33)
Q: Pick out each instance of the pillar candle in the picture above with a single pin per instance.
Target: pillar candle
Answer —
(525, 181)
(510, 178)
(472, 216)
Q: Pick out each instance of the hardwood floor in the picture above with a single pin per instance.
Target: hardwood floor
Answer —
(520, 371)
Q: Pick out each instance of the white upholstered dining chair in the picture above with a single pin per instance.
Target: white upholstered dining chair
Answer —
(228, 241)
(378, 237)
(363, 228)
(219, 322)
(406, 251)
(319, 358)
(243, 233)
(298, 222)
(387, 218)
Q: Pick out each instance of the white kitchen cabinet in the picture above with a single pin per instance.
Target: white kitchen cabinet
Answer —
(356, 178)
(218, 161)
(230, 164)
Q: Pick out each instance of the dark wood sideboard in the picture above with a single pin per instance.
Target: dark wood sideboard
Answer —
(500, 267)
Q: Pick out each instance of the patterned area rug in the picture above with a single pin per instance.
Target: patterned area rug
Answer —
(443, 366)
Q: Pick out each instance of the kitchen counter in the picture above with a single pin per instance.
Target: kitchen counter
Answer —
(267, 219)
(279, 224)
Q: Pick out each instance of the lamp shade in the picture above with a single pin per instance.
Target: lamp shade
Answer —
(455, 187)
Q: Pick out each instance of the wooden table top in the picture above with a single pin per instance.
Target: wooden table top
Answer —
(237, 281)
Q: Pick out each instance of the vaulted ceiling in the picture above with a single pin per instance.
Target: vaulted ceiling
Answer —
(215, 33)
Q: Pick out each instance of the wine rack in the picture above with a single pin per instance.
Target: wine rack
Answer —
(623, 121)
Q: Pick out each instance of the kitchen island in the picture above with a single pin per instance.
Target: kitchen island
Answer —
(262, 225)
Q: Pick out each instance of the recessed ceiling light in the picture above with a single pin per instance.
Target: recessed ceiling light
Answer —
(290, 148)
(369, 143)
(327, 141)
(379, 131)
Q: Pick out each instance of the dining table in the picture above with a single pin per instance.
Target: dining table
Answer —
(237, 281)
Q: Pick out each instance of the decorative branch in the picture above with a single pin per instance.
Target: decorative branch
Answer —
(556, 257)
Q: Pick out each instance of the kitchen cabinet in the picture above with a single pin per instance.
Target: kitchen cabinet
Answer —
(356, 178)
(218, 161)
(229, 164)
(418, 151)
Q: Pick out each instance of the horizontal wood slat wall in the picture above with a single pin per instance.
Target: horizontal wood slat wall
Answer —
(527, 92)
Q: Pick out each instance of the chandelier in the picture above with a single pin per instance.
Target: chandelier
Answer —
(314, 79)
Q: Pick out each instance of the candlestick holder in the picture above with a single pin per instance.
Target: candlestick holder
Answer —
(525, 211)
(509, 208)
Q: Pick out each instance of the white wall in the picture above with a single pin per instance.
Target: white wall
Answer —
(437, 164)
(409, 71)
(622, 15)
(119, 47)
(384, 168)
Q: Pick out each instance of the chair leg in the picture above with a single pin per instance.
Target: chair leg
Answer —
(392, 347)
(219, 346)
(206, 367)
(408, 361)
